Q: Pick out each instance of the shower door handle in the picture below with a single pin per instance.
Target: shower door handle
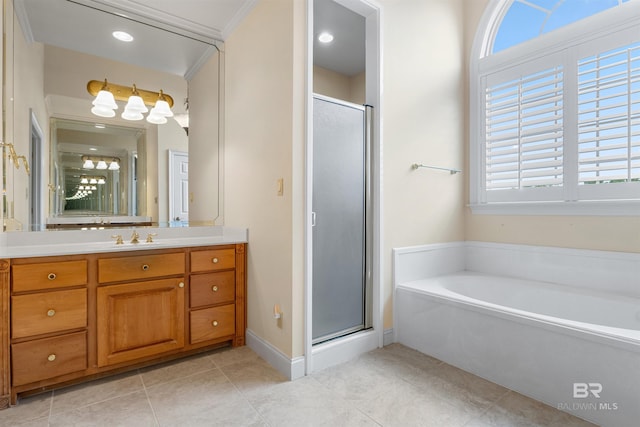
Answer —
(313, 219)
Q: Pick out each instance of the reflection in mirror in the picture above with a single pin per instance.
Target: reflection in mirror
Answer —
(95, 171)
(50, 54)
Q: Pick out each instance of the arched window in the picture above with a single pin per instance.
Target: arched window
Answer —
(555, 107)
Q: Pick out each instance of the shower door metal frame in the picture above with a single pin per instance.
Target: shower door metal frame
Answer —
(367, 253)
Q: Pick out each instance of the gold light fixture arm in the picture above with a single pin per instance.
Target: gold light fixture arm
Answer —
(122, 93)
(15, 158)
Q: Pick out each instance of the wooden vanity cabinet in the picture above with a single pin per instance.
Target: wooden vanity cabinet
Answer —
(49, 306)
(68, 318)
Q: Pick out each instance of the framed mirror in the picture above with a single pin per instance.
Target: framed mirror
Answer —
(53, 48)
(95, 170)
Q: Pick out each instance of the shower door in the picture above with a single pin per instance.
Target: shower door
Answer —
(339, 298)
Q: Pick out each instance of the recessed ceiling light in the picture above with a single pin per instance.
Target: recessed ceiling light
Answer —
(325, 37)
(122, 36)
(99, 126)
(93, 149)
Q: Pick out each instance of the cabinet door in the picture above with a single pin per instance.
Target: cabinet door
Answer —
(137, 320)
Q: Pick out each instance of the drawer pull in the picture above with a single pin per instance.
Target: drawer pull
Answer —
(181, 285)
(145, 267)
(214, 323)
(215, 260)
(214, 288)
(51, 313)
(52, 276)
(51, 357)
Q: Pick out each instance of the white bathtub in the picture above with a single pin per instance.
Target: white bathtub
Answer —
(576, 349)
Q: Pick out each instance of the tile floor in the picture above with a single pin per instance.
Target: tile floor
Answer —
(393, 386)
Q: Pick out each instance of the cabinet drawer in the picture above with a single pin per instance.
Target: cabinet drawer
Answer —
(212, 323)
(46, 312)
(49, 275)
(49, 357)
(212, 288)
(212, 260)
(140, 267)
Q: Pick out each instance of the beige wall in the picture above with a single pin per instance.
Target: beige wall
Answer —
(584, 232)
(347, 88)
(423, 123)
(203, 144)
(264, 140)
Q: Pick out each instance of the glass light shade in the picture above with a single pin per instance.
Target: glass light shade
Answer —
(93, 181)
(101, 181)
(81, 187)
(136, 104)
(84, 181)
(103, 112)
(88, 164)
(162, 108)
(93, 187)
(89, 192)
(105, 99)
(101, 165)
(131, 115)
(114, 166)
(156, 118)
(182, 119)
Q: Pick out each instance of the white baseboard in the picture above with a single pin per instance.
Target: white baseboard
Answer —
(343, 349)
(388, 337)
(323, 356)
(290, 368)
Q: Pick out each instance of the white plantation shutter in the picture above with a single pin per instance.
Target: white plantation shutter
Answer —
(524, 134)
(555, 121)
(609, 118)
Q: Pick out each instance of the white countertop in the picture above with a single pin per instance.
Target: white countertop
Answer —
(68, 242)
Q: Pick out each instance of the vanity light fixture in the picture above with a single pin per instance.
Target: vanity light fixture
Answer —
(87, 179)
(137, 101)
(160, 110)
(87, 163)
(91, 162)
(114, 165)
(105, 104)
(135, 107)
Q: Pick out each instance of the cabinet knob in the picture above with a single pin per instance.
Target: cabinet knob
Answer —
(214, 323)
(51, 357)
(145, 267)
(181, 285)
(214, 288)
(215, 260)
(51, 313)
(52, 276)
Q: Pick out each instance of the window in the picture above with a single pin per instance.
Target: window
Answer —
(556, 108)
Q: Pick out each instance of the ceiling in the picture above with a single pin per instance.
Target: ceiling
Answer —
(176, 36)
(170, 36)
(346, 53)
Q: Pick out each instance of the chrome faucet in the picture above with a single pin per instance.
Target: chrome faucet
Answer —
(134, 237)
